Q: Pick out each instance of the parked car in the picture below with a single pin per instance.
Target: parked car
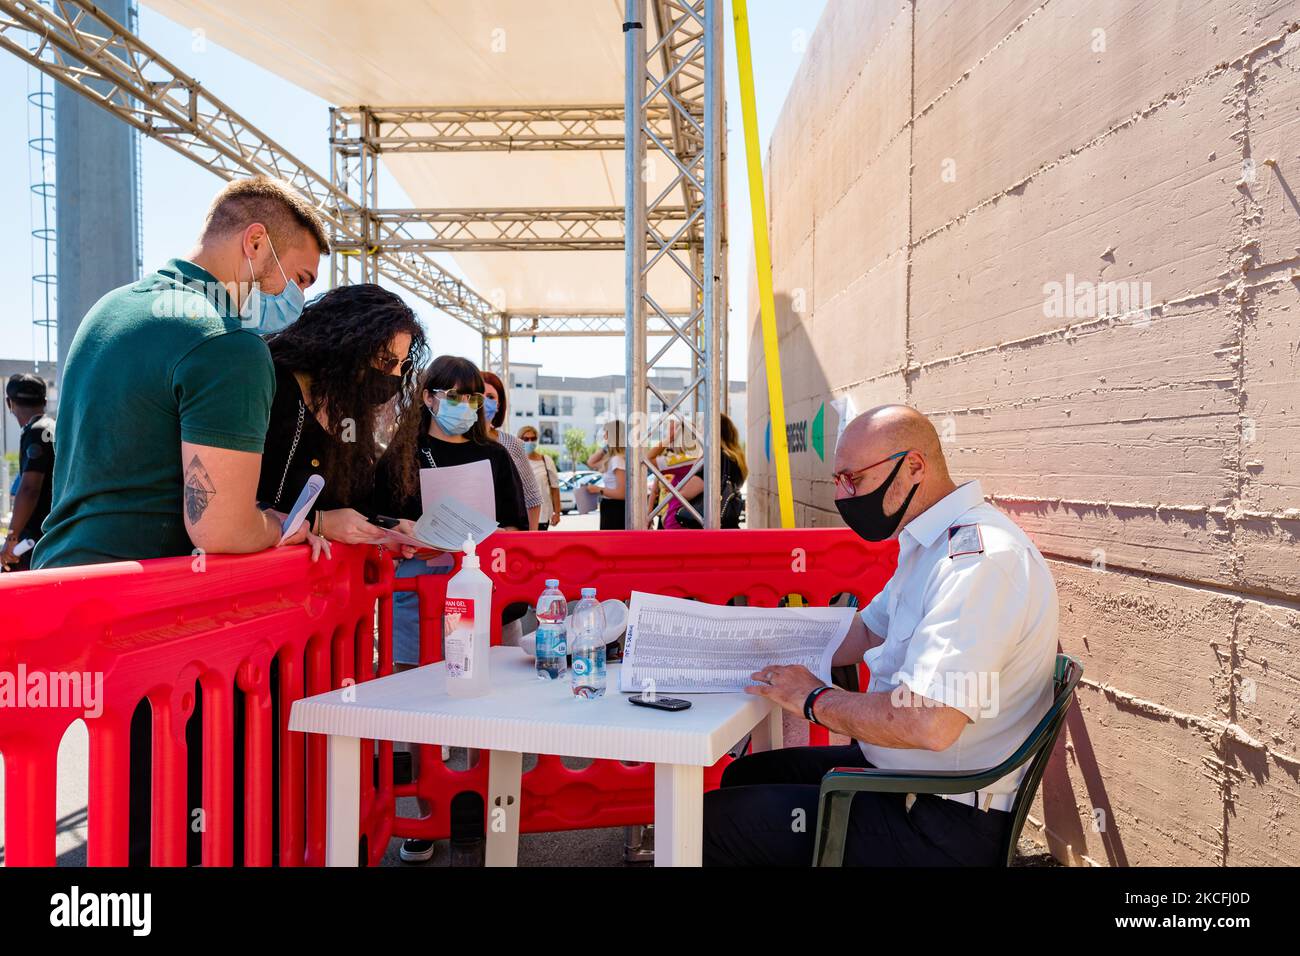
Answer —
(568, 501)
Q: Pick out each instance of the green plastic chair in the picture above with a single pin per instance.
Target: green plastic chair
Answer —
(841, 784)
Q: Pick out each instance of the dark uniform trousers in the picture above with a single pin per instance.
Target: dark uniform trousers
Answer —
(765, 814)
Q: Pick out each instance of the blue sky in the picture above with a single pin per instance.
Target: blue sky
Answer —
(176, 190)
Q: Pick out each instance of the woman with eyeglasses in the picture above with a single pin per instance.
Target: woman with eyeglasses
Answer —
(344, 394)
(454, 433)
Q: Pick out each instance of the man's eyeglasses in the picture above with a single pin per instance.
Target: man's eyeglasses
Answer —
(846, 481)
(472, 399)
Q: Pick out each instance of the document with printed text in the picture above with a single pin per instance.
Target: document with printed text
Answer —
(458, 501)
(679, 646)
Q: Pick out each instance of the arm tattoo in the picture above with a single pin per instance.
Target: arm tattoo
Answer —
(199, 491)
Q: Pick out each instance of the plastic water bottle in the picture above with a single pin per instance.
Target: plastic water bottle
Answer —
(587, 645)
(552, 649)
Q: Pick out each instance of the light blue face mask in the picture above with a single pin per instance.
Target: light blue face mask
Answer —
(271, 313)
(490, 407)
(455, 418)
(530, 447)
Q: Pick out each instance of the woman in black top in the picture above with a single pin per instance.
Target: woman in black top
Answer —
(344, 389)
(453, 432)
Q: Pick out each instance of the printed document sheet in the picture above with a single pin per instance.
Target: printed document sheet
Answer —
(688, 647)
(458, 500)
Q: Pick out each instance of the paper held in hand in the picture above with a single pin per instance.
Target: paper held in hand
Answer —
(298, 513)
(447, 522)
(458, 500)
(586, 499)
(443, 528)
(676, 646)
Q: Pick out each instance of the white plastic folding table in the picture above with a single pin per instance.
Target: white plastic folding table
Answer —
(525, 715)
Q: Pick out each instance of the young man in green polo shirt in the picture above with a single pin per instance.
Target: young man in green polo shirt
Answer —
(167, 391)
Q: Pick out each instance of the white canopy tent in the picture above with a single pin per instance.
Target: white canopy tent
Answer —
(486, 187)
(468, 53)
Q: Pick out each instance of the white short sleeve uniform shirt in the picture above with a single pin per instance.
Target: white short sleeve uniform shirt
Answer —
(969, 620)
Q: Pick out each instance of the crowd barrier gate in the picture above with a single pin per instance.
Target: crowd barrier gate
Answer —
(155, 629)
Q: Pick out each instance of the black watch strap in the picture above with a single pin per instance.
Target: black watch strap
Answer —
(812, 699)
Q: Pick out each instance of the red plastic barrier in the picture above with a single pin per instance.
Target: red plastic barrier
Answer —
(152, 630)
(761, 566)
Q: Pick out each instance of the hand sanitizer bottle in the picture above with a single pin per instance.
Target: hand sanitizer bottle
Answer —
(466, 627)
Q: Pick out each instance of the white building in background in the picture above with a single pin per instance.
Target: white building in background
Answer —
(555, 403)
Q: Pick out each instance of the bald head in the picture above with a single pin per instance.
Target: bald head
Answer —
(893, 428)
(882, 432)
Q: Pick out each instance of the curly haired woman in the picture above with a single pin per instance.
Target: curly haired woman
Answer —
(345, 392)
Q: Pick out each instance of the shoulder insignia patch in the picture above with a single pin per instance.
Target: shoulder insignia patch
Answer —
(964, 539)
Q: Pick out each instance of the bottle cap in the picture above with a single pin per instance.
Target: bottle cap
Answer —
(588, 592)
(552, 582)
(471, 559)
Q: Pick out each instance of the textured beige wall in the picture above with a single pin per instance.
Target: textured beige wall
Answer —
(936, 165)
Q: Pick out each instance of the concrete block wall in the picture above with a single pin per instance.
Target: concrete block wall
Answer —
(943, 174)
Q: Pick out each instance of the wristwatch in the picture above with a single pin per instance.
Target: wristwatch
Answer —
(812, 699)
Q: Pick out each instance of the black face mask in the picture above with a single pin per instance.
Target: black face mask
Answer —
(378, 387)
(865, 514)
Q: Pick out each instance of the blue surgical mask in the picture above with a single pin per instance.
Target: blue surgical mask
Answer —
(530, 447)
(271, 313)
(455, 418)
(490, 407)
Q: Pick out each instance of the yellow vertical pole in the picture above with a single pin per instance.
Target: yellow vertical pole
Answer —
(763, 264)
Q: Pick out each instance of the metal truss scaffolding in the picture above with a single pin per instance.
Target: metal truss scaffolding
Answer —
(511, 129)
(672, 230)
(81, 46)
(681, 72)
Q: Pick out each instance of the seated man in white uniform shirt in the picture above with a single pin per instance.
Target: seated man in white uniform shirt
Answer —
(961, 644)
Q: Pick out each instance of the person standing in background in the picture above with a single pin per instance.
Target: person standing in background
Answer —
(494, 413)
(613, 488)
(546, 476)
(734, 471)
(25, 396)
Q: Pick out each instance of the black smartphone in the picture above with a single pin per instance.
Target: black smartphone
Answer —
(383, 521)
(660, 703)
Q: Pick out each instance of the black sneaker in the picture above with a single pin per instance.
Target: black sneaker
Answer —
(416, 851)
